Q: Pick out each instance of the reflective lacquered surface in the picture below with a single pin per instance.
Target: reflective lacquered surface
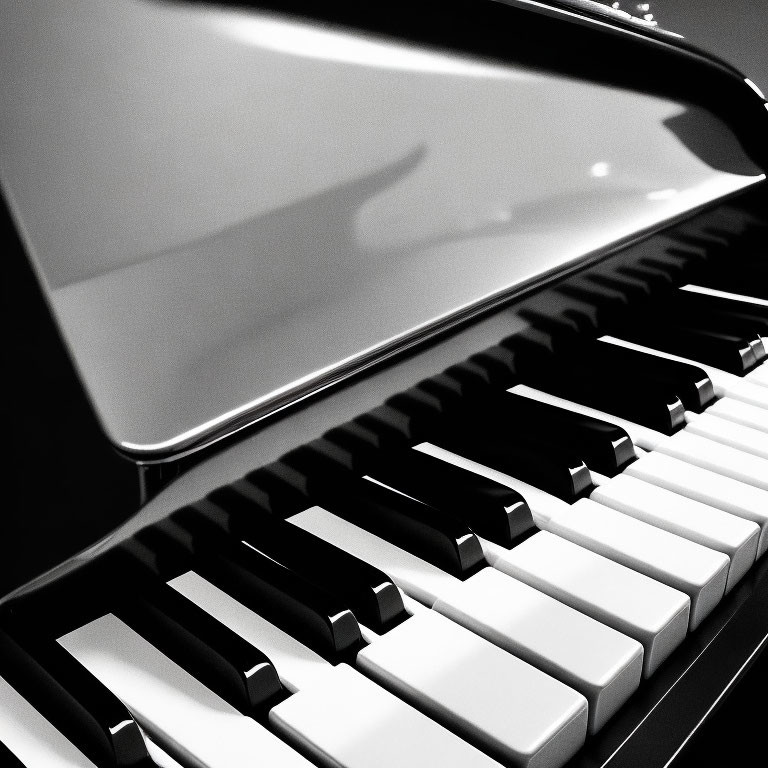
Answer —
(229, 210)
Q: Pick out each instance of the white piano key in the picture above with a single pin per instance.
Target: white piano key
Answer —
(711, 527)
(347, 721)
(527, 623)
(159, 757)
(650, 612)
(502, 704)
(602, 664)
(176, 710)
(727, 432)
(301, 670)
(725, 384)
(297, 666)
(740, 413)
(716, 457)
(732, 496)
(696, 570)
(31, 737)
(653, 613)
(759, 375)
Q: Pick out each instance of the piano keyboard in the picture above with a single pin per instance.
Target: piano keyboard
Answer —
(482, 571)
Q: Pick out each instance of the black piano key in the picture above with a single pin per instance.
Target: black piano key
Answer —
(635, 290)
(481, 438)
(657, 278)
(572, 327)
(71, 698)
(8, 759)
(689, 382)
(498, 365)
(355, 445)
(604, 447)
(218, 657)
(614, 390)
(419, 528)
(673, 266)
(281, 498)
(672, 313)
(721, 350)
(491, 510)
(374, 599)
(717, 307)
(734, 275)
(303, 609)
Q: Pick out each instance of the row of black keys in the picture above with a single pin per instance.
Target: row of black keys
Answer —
(307, 587)
(642, 304)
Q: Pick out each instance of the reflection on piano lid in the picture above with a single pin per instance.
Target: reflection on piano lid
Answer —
(413, 188)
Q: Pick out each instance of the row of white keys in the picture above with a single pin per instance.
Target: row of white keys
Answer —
(650, 612)
(739, 412)
(601, 663)
(677, 473)
(711, 527)
(698, 571)
(739, 436)
(428, 660)
(205, 732)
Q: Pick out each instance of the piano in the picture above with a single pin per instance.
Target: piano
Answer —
(386, 386)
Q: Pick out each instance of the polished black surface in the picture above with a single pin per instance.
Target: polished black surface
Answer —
(52, 431)
(717, 308)
(491, 510)
(599, 385)
(271, 588)
(372, 596)
(414, 526)
(603, 446)
(748, 280)
(689, 382)
(720, 349)
(437, 415)
(70, 697)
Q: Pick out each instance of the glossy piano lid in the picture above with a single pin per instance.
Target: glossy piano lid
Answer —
(230, 211)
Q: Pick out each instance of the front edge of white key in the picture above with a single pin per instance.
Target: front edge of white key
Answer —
(345, 720)
(698, 571)
(653, 613)
(493, 699)
(602, 664)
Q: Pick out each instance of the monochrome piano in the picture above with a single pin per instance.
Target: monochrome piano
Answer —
(386, 386)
